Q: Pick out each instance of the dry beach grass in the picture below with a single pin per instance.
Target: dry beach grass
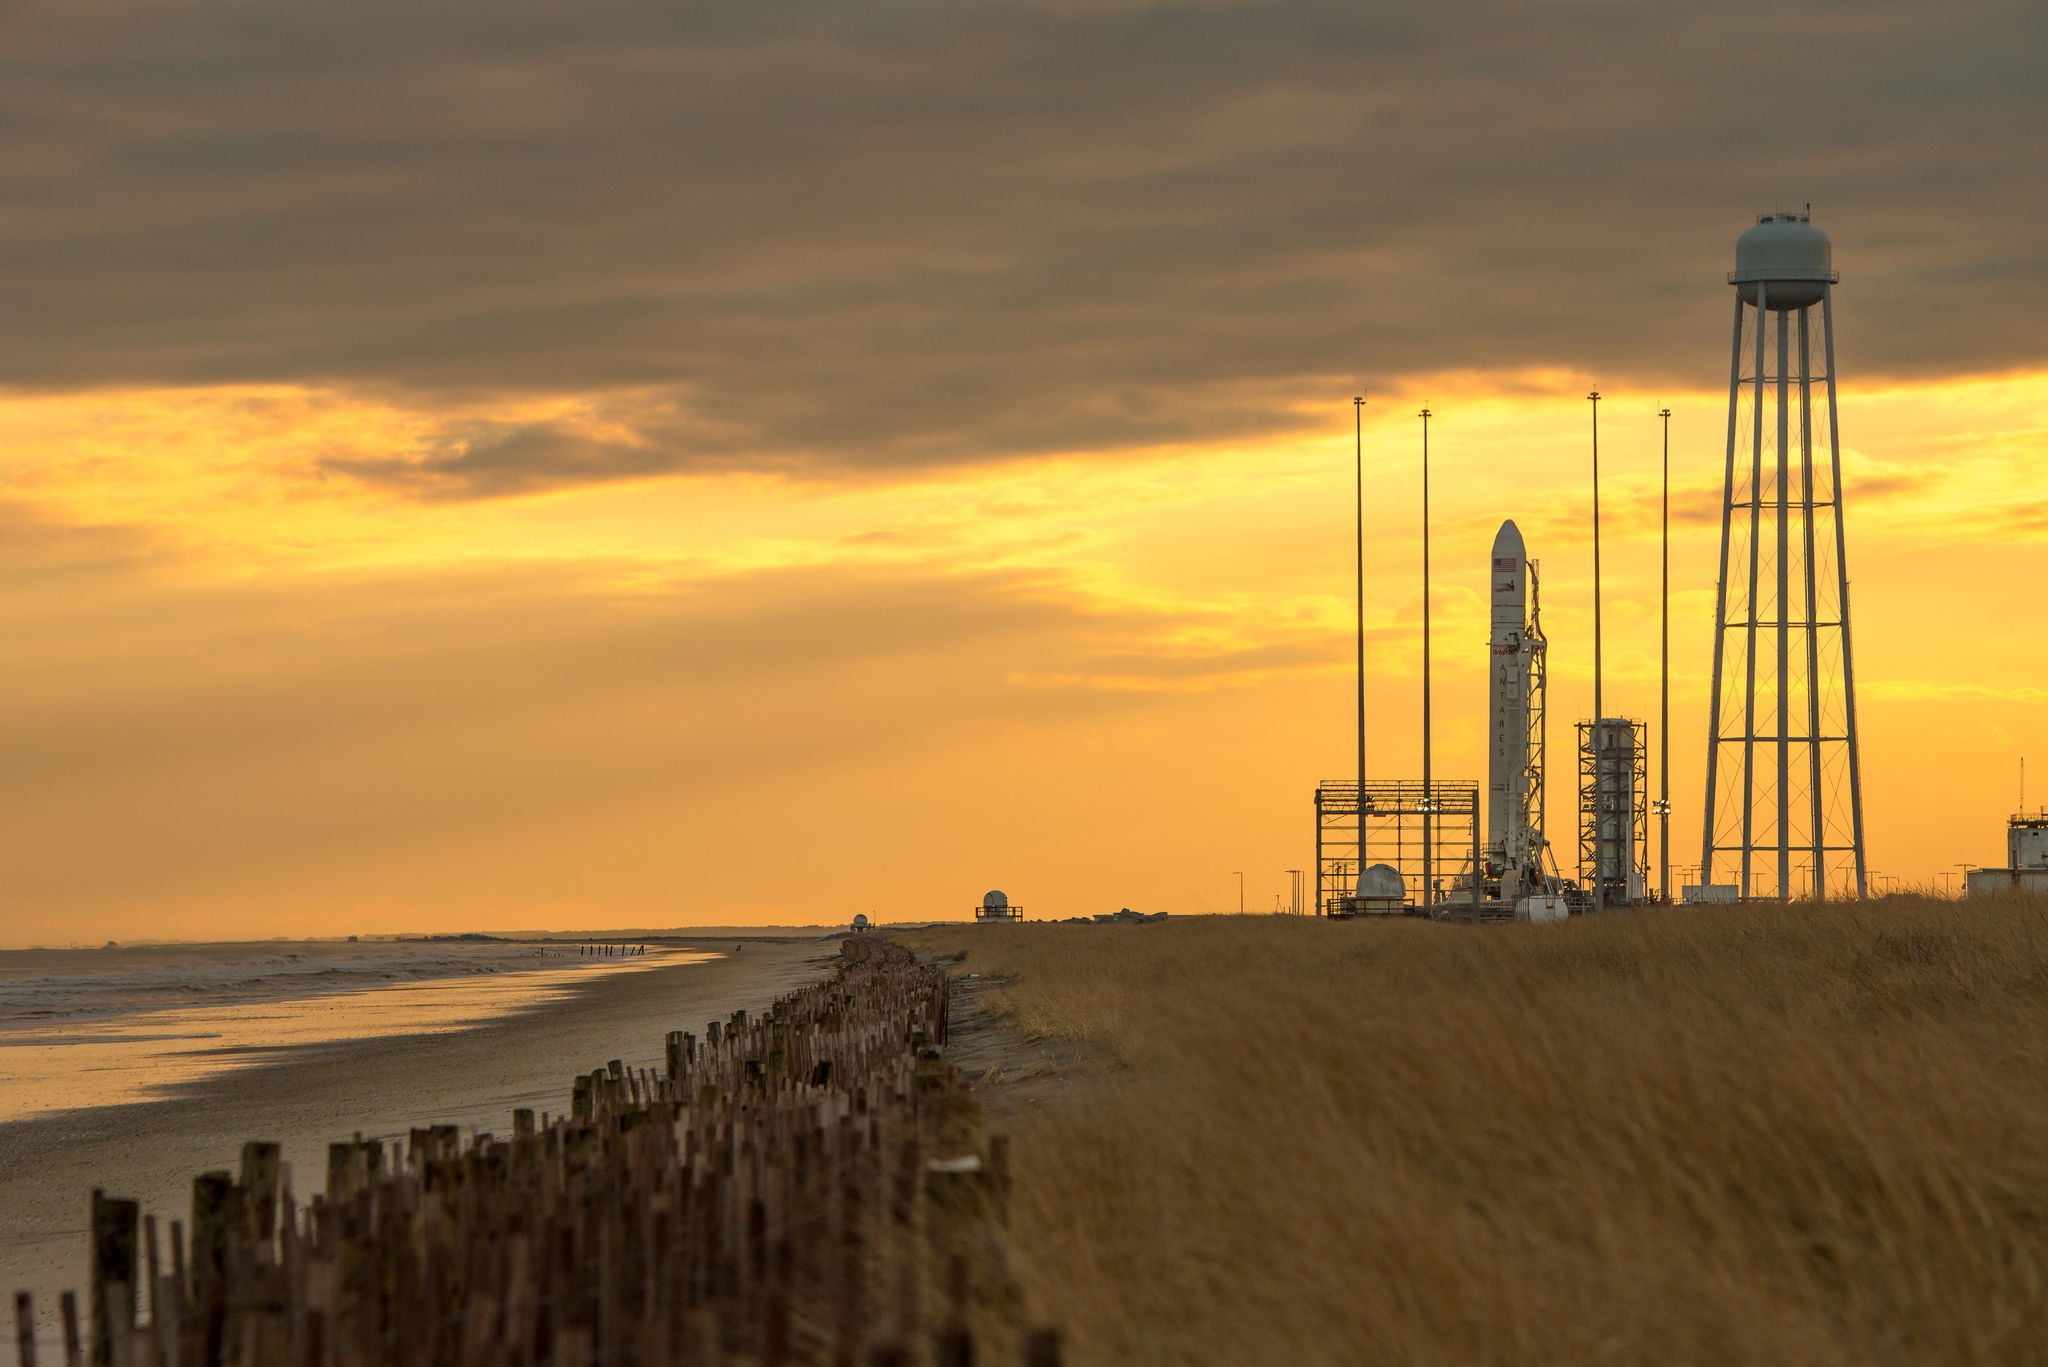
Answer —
(1758, 1135)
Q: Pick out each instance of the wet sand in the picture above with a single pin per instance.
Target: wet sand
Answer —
(310, 1095)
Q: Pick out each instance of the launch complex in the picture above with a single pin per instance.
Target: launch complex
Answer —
(1782, 812)
(1411, 849)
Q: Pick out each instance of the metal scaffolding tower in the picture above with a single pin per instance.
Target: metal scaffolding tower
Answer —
(1784, 778)
(1614, 810)
(1431, 838)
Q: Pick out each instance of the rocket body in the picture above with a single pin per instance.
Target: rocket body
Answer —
(1507, 769)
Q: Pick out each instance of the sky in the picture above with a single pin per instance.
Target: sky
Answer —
(516, 466)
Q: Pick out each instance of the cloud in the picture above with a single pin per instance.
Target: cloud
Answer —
(897, 233)
(509, 459)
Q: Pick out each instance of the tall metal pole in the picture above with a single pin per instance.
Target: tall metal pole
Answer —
(1321, 907)
(1358, 433)
(1599, 766)
(1817, 834)
(1713, 796)
(1756, 512)
(1664, 683)
(1827, 316)
(1784, 606)
(1428, 798)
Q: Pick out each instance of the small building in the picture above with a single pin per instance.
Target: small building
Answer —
(996, 907)
(2026, 859)
(860, 922)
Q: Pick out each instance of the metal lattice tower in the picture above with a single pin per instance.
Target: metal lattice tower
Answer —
(1614, 809)
(1784, 802)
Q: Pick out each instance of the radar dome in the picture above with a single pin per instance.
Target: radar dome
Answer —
(1792, 259)
(860, 919)
(995, 899)
(1381, 881)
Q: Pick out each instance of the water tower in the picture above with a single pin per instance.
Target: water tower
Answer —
(1784, 799)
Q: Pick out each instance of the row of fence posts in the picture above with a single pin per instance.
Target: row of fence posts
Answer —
(596, 951)
(811, 1186)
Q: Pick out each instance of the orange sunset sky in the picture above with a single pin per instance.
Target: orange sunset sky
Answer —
(524, 467)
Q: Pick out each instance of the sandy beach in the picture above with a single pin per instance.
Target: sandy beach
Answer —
(308, 1095)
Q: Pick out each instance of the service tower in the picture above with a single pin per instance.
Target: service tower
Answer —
(1514, 814)
(1784, 799)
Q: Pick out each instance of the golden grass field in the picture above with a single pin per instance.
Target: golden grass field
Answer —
(1805, 1134)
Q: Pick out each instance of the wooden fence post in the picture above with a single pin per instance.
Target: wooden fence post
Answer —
(113, 1275)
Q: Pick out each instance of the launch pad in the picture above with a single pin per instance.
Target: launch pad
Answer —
(1429, 836)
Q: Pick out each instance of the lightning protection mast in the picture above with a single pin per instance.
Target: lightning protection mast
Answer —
(1784, 793)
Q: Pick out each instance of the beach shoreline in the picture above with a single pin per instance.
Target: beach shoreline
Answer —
(310, 1095)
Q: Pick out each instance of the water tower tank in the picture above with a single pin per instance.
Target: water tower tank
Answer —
(1790, 257)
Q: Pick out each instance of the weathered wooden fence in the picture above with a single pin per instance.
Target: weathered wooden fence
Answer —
(811, 1186)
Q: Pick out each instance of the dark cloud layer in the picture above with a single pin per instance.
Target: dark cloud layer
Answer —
(874, 233)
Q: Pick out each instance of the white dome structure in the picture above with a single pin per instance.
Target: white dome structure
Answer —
(995, 906)
(1381, 881)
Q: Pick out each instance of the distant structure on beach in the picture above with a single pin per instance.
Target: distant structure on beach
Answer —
(860, 922)
(996, 907)
(1784, 795)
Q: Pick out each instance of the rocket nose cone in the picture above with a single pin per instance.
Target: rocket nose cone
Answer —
(1508, 541)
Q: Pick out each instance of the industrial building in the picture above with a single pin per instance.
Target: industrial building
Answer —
(2026, 859)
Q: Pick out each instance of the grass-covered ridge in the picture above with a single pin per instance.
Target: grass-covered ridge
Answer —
(1752, 1134)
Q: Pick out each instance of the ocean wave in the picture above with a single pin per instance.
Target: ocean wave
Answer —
(43, 985)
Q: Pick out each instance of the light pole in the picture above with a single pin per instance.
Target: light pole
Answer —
(1358, 435)
(1599, 760)
(1428, 804)
(1664, 684)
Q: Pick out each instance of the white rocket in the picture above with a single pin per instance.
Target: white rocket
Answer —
(1513, 838)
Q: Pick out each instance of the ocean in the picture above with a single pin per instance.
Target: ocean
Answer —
(108, 1027)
